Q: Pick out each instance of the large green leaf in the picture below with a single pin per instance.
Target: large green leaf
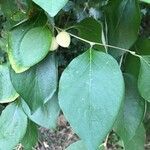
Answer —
(138, 141)
(123, 21)
(52, 7)
(45, 116)
(31, 137)
(29, 43)
(13, 124)
(38, 84)
(132, 114)
(91, 90)
(144, 78)
(7, 91)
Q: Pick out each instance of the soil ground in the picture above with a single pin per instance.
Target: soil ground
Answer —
(59, 139)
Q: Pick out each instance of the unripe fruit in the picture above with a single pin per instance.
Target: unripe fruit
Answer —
(63, 39)
(54, 44)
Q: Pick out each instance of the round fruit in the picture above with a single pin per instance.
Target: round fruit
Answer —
(54, 44)
(63, 39)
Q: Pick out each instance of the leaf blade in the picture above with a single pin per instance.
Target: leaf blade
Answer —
(45, 116)
(30, 35)
(132, 112)
(86, 106)
(52, 7)
(138, 141)
(143, 79)
(12, 120)
(123, 21)
(7, 91)
(32, 134)
(38, 84)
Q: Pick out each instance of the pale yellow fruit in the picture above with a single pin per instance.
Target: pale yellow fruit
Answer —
(54, 44)
(63, 39)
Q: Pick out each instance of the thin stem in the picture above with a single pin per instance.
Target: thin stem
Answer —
(120, 63)
(101, 44)
(22, 21)
(57, 29)
(91, 43)
(106, 45)
(123, 49)
(68, 28)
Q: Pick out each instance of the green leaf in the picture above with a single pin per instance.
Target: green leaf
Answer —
(132, 63)
(3, 44)
(132, 113)
(52, 7)
(79, 145)
(46, 116)
(142, 46)
(90, 88)
(7, 91)
(13, 124)
(29, 43)
(123, 21)
(144, 78)
(145, 1)
(31, 137)
(14, 11)
(90, 29)
(138, 141)
(38, 84)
